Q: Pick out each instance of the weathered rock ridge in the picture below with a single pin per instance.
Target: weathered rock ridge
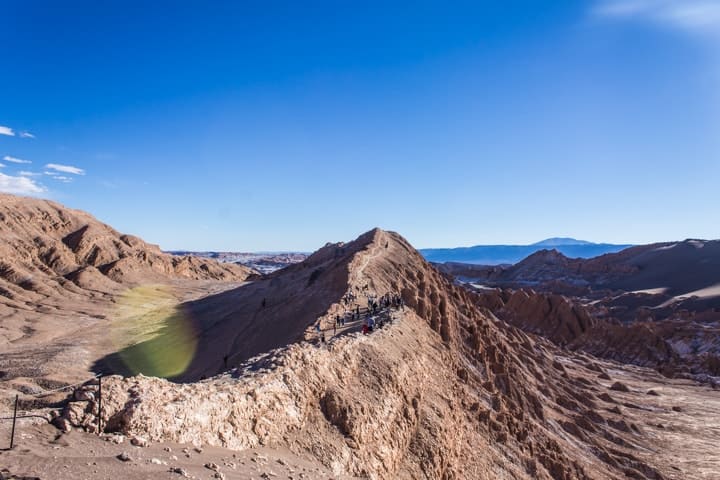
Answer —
(676, 347)
(447, 391)
(50, 250)
(62, 278)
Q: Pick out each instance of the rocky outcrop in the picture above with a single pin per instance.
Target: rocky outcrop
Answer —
(65, 280)
(447, 391)
(652, 305)
(552, 316)
(638, 344)
(676, 347)
(48, 249)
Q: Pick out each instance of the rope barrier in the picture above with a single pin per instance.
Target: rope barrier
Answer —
(27, 414)
(59, 389)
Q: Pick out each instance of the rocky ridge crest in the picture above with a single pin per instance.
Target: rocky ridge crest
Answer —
(446, 392)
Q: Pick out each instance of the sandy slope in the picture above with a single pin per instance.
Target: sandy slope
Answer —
(43, 452)
(66, 284)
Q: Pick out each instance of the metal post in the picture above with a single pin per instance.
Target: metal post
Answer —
(99, 417)
(12, 435)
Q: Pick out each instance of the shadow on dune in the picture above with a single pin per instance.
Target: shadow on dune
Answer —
(239, 324)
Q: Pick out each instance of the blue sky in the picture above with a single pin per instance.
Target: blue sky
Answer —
(281, 126)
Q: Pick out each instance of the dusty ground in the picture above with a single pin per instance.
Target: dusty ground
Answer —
(682, 421)
(43, 452)
(61, 347)
(677, 420)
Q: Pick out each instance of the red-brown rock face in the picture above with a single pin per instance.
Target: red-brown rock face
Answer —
(446, 392)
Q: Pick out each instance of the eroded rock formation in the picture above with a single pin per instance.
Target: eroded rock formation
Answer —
(447, 391)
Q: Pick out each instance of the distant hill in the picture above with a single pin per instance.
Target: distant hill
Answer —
(690, 267)
(50, 251)
(510, 254)
(263, 262)
(561, 241)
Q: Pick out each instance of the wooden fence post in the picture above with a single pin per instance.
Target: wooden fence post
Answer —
(99, 417)
(12, 435)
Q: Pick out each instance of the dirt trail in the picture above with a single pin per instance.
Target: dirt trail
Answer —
(42, 452)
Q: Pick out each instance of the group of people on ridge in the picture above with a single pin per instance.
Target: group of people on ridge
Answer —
(372, 317)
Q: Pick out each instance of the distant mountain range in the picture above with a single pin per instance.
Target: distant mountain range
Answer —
(510, 254)
(690, 267)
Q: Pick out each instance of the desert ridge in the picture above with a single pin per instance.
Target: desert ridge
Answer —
(46, 247)
(444, 388)
(70, 286)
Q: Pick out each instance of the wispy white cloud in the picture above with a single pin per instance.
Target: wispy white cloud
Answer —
(20, 185)
(1, 165)
(25, 173)
(7, 131)
(11, 133)
(65, 169)
(702, 16)
(62, 178)
(52, 174)
(10, 159)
